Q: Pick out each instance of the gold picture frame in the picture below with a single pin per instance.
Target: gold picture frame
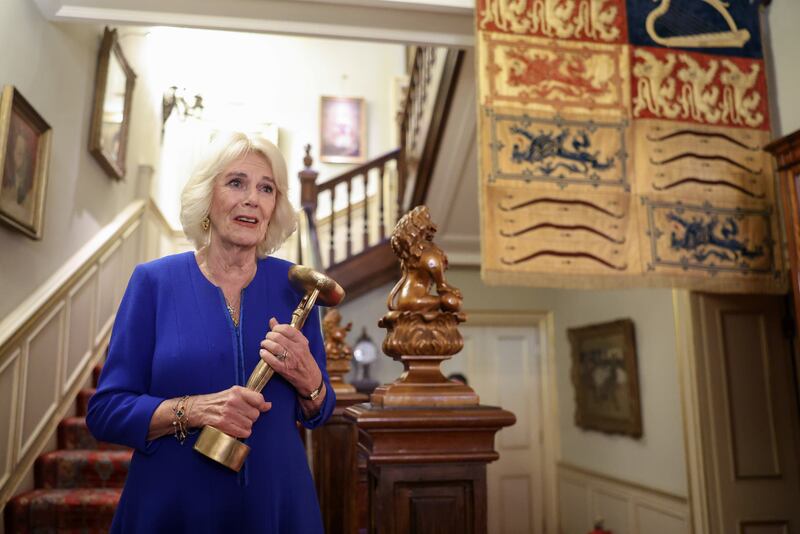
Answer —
(25, 139)
(605, 375)
(343, 131)
(113, 94)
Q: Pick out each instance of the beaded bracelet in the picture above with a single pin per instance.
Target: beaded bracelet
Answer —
(180, 420)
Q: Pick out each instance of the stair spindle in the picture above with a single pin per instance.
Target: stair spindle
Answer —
(332, 250)
(349, 218)
(366, 211)
(381, 230)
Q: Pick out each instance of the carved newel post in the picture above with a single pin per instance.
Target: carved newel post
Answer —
(334, 444)
(428, 440)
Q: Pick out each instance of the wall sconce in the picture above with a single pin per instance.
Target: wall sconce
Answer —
(175, 100)
(364, 353)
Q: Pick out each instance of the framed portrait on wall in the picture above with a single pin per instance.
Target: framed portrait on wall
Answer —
(343, 133)
(111, 109)
(605, 375)
(24, 157)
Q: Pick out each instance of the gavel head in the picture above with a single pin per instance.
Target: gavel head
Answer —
(307, 279)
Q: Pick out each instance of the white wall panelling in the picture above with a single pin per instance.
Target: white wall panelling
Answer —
(49, 345)
(9, 384)
(80, 319)
(40, 375)
(585, 496)
(109, 270)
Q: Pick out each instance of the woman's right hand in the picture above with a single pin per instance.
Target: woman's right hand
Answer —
(232, 411)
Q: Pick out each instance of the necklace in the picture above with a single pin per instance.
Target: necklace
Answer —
(207, 272)
(233, 315)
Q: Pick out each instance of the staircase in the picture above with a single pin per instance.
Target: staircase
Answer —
(348, 237)
(77, 486)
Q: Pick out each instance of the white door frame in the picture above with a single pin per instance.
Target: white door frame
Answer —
(550, 442)
(692, 433)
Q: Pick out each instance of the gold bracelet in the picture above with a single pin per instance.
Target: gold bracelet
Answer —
(314, 394)
(189, 405)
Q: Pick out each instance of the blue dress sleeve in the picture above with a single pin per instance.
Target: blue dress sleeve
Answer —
(313, 332)
(121, 409)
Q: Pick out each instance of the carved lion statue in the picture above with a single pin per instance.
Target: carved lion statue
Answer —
(423, 265)
(336, 347)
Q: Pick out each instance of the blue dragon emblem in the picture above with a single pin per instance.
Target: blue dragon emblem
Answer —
(705, 239)
(546, 146)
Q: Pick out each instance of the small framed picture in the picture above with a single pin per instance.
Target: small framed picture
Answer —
(605, 375)
(24, 157)
(343, 132)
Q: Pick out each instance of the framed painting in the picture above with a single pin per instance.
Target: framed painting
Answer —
(25, 140)
(111, 109)
(605, 375)
(343, 133)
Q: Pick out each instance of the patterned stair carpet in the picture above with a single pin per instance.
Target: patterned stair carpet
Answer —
(77, 486)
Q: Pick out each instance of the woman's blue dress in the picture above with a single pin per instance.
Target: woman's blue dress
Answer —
(173, 336)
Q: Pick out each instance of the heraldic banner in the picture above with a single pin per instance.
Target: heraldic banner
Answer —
(620, 144)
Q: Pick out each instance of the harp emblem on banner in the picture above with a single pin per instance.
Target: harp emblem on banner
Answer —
(732, 37)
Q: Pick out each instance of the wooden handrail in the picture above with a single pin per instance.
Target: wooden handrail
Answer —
(359, 171)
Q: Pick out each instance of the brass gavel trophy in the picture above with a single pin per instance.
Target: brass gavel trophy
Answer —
(228, 450)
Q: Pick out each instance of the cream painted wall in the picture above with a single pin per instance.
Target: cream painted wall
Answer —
(251, 79)
(657, 460)
(53, 66)
(783, 21)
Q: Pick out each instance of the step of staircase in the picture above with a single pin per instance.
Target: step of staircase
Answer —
(65, 469)
(74, 434)
(77, 486)
(83, 401)
(66, 511)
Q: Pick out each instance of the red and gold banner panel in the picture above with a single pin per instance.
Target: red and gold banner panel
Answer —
(620, 144)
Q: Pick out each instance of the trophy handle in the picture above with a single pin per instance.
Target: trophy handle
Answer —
(263, 372)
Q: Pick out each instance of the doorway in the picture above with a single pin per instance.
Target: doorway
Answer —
(505, 359)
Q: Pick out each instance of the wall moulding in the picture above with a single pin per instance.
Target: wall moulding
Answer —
(624, 506)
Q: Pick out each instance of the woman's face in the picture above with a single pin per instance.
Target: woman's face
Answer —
(243, 200)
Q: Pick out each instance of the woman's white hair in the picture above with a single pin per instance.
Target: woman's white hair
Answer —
(197, 193)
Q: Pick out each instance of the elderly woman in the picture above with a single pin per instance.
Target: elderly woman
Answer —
(190, 329)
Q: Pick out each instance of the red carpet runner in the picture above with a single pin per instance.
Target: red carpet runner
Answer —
(77, 486)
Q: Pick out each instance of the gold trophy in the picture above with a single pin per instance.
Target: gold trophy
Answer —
(228, 450)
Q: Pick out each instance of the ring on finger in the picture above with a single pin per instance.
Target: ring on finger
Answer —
(282, 357)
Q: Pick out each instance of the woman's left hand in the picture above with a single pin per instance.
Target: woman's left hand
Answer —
(286, 350)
